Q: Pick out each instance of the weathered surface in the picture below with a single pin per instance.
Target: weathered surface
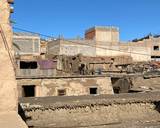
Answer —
(95, 48)
(93, 111)
(73, 86)
(7, 76)
(146, 84)
(8, 87)
(11, 120)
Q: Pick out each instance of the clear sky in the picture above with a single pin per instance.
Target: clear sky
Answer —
(71, 18)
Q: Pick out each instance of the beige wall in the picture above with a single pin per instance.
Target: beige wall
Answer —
(73, 86)
(8, 88)
(92, 48)
(53, 47)
(137, 53)
(148, 43)
(104, 34)
(107, 36)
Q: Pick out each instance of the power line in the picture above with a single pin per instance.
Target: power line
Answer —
(108, 48)
(20, 29)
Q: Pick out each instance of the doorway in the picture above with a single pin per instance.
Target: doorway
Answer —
(28, 90)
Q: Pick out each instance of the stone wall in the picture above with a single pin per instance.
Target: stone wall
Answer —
(9, 117)
(8, 88)
(107, 111)
(72, 86)
(146, 83)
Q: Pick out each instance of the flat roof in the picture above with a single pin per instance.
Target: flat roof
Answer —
(102, 28)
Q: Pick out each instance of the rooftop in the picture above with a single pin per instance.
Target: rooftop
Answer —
(25, 34)
(102, 28)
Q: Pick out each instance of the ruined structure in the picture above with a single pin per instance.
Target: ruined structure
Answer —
(140, 110)
(8, 88)
(64, 86)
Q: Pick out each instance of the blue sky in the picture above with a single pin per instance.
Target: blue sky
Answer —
(71, 18)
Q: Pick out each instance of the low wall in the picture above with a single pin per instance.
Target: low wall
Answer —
(92, 111)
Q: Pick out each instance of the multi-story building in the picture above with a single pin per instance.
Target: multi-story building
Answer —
(100, 41)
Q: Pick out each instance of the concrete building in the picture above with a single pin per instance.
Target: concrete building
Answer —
(99, 41)
(71, 47)
(103, 34)
(150, 41)
(26, 44)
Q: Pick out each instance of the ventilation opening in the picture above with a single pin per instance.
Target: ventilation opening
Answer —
(28, 65)
(28, 91)
(93, 90)
(155, 58)
(156, 48)
(61, 92)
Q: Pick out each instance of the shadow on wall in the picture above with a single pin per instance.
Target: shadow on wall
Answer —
(157, 104)
(22, 113)
(121, 85)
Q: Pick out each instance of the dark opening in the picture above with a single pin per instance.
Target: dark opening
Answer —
(116, 90)
(73, 58)
(61, 92)
(114, 80)
(155, 58)
(82, 69)
(121, 85)
(93, 90)
(28, 65)
(28, 90)
(156, 48)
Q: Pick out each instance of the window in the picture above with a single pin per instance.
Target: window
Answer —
(156, 48)
(61, 92)
(155, 58)
(28, 65)
(93, 90)
(28, 90)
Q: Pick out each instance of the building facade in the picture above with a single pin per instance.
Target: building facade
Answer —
(100, 41)
(69, 67)
(64, 86)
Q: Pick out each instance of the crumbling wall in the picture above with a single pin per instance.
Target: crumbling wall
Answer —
(8, 87)
(73, 86)
(85, 65)
(94, 111)
(146, 83)
(91, 115)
